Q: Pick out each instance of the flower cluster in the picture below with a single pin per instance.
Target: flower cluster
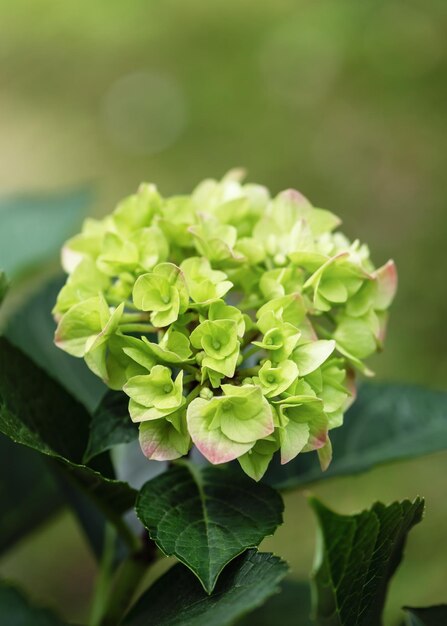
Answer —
(234, 321)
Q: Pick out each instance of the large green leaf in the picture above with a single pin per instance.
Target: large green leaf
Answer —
(429, 616)
(37, 412)
(386, 423)
(356, 557)
(31, 328)
(289, 607)
(111, 425)
(177, 598)
(206, 516)
(16, 610)
(34, 228)
(28, 492)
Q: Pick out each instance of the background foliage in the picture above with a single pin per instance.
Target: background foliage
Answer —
(343, 100)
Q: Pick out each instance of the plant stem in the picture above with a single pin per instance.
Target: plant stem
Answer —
(323, 332)
(190, 368)
(248, 306)
(251, 336)
(250, 352)
(129, 538)
(137, 328)
(193, 394)
(249, 371)
(127, 579)
(104, 576)
(127, 303)
(134, 317)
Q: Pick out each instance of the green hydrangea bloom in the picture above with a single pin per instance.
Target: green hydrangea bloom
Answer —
(234, 321)
(154, 395)
(228, 426)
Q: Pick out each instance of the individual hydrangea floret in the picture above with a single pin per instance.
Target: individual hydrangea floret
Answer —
(234, 321)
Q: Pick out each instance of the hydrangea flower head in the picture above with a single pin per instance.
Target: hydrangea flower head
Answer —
(235, 321)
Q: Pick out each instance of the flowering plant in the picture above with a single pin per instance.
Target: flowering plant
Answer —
(233, 320)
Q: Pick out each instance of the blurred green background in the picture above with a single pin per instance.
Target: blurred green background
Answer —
(344, 100)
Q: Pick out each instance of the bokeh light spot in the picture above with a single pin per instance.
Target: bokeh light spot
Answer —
(144, 112)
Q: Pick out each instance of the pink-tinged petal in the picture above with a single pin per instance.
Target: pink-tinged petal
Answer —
(325, 455)
(213, 444)
(156, 441)
(380, 332)
(351, 387)
(296, 197)
(386, 277)
(318, 439)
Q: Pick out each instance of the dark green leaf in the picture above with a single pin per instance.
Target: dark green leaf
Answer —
(207, 516)
(386, 423)
(31, 328)
(34, 228)
(28, 493)
(111, 425)
(356, 557)
(429, 616)
(177, 599)
(16, 610)
(37, 412)
(289, 607)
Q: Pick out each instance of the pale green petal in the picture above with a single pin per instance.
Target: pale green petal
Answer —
(256, 461)
(322, 221)
(356, 336)
(225, 366)
(276, 379)
(152, 247)
(310, 356)
(161, 441)
(117, 255)
(173, 348)
(84, 282)
(137, 211)
(247, 430)
(83, 326)
(213, 444)
(293, 439)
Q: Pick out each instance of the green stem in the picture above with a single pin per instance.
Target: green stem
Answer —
(251, 336)
(193, 394)
(322, 331)
(127, 303)
(250, 352)
(104, 576)
(190, 368)
(127, 578)
(248, 306)
(249, 371)
(137, 328)
(134, 317)
(129, 538)
(269, 263)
